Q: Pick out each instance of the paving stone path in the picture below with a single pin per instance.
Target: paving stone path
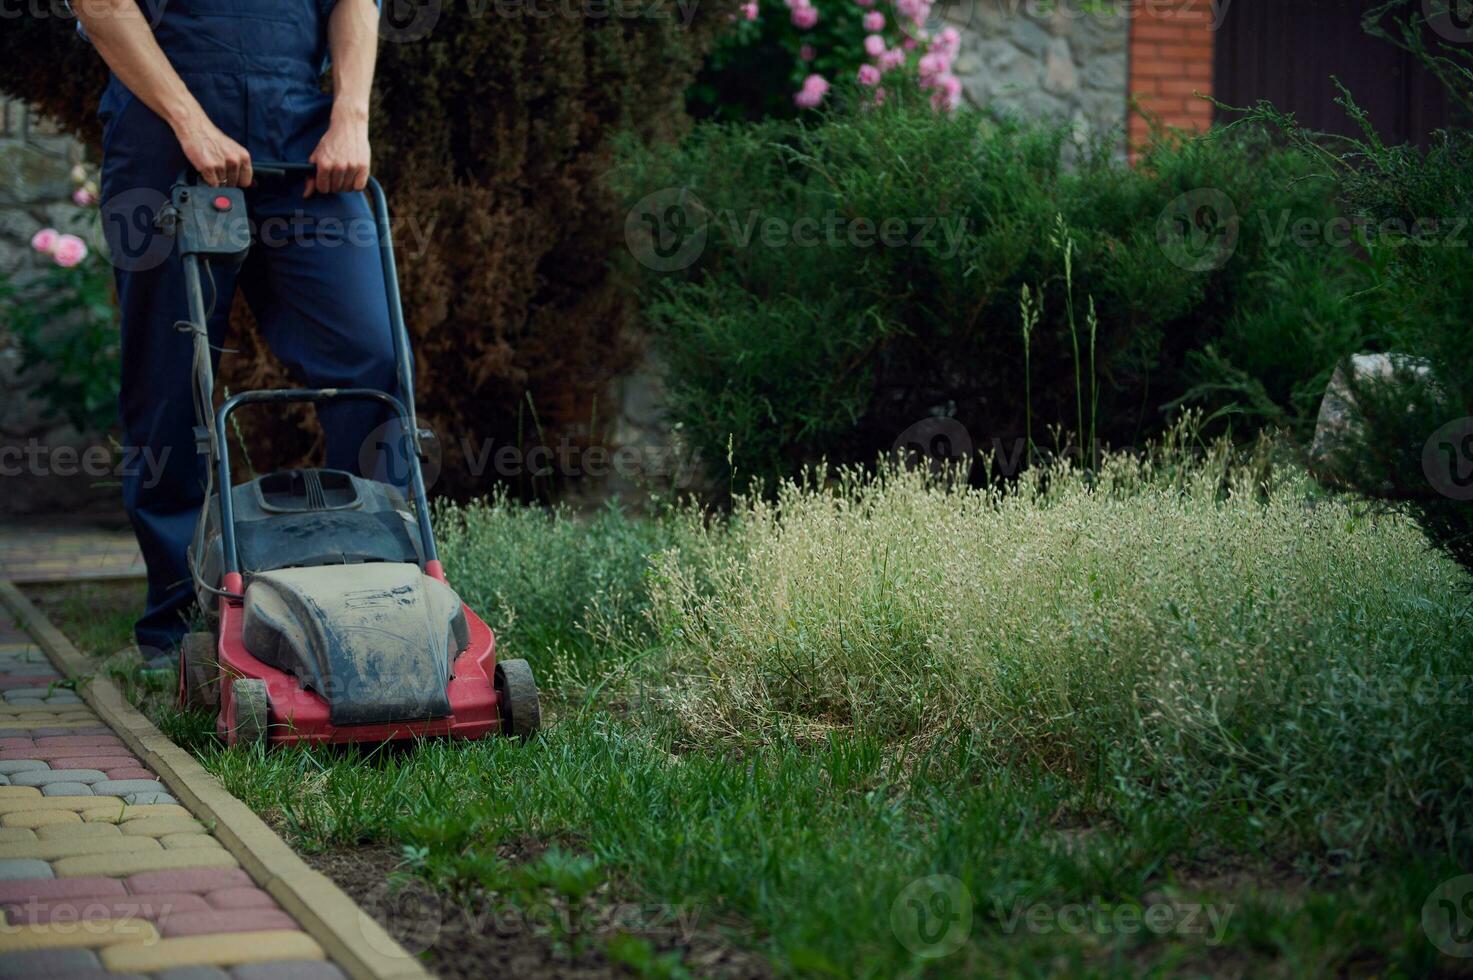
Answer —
(102, 872)
(38, 552)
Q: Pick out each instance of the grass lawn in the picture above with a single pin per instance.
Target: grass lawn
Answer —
(1190, 717)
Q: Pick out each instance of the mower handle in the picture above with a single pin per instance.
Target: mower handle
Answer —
(262, 168)
(404, 369)
(276, 168)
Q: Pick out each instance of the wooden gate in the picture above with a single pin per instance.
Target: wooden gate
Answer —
(1286, 51)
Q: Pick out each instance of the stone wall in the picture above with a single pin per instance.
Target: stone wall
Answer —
(40, 457)
(1064, 60)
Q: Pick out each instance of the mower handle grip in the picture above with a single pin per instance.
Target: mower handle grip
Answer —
(278, 168)
(261, 168)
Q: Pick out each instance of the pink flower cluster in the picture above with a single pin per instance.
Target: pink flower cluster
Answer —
(804, 14)
(815, 87)
(933, 65)
(65, 250)
(935, 70)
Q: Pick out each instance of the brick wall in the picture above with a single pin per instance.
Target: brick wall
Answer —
(1170, 60)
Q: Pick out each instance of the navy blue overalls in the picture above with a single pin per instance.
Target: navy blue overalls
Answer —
(312, 279)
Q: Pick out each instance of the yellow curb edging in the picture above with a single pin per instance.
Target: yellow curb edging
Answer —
(351, 938)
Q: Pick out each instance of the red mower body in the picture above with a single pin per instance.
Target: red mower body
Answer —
(300, 715)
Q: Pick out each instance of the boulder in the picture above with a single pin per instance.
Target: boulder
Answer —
(1338, 425)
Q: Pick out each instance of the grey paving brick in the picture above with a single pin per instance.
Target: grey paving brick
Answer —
(4, 780)
(126, 787)
(13, 766)
(288, 970)
(62, 697)
(66, 789)
(22, 869)
(39, 778)
(48, 963)
(24, 669)
(25, 695)
(140, 799)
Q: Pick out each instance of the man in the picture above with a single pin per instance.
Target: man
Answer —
(215, 84)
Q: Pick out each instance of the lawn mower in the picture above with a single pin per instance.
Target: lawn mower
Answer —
(328, 617)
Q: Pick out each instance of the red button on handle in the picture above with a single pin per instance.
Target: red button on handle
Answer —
(222, 203)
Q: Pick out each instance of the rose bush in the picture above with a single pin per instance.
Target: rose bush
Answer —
(784, 57)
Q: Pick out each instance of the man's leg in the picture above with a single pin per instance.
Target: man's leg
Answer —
(318, 295)
(163, 479)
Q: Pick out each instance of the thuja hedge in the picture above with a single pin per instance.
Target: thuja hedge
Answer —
(491, 133)
(862, 273)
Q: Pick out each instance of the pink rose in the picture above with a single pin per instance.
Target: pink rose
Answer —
(948, 93)
(82, 197)
(874, 45)
(806, 53)
(874, 22)
(948, 42)
(880, 95)
(869, 75)
(749, 11)
(44, 240)
(891, 59)
(812, 93)
(69, 250)
(805, 17)
(932, 64)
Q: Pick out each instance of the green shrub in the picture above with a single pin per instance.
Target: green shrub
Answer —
(1199, 628)
(791, 352)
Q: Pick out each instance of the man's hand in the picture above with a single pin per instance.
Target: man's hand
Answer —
(342, 158)
(220, 160)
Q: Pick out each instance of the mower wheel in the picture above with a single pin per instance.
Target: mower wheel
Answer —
(516, 694)
(199, 673)
(252, 708)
